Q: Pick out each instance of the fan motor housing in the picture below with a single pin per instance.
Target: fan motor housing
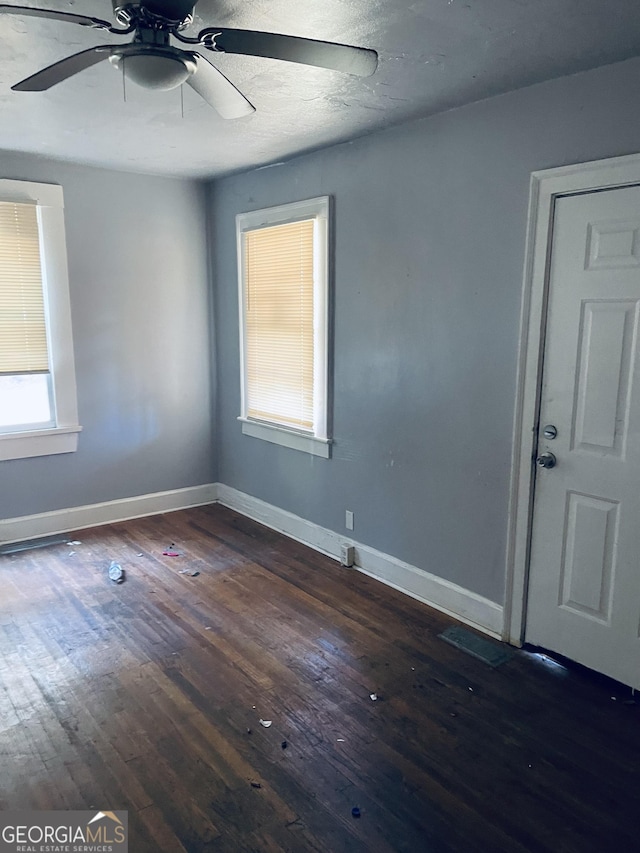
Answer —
(169, 13)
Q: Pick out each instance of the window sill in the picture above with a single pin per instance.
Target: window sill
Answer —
(287, 438)
(41, 442)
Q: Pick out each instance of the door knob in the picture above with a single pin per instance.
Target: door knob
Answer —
(546, 460)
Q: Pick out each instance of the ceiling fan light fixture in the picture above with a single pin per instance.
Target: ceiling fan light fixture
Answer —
(154, 70)
(152, 62)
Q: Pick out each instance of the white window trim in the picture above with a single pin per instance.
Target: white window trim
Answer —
(63, 436)
(295, 439)
(318, 442)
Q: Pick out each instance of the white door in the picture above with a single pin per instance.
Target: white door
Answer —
(584, 576)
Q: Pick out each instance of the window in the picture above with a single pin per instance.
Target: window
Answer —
(38, 410)
(283, 278)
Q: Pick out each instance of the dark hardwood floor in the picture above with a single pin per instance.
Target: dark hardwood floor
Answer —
(148, 696)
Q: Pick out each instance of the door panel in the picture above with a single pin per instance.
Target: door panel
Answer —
(588, 555)
(606, 333)
(584, 578)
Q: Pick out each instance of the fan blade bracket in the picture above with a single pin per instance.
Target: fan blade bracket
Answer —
(209, 41)
(205, 38)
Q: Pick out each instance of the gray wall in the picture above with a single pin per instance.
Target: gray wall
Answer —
(138, 271)
(429, 244)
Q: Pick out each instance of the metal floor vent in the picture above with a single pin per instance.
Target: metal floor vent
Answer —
(28, 545)
(485, 650)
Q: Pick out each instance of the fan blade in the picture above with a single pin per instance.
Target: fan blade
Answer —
(217, 91)
(96, 23)
(324, 54)
(59, 71)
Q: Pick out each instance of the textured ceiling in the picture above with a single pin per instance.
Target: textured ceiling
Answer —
(434, 55)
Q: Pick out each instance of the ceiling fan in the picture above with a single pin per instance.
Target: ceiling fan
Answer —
(151, 61)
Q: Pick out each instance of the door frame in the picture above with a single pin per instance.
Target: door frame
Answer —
(546, 186)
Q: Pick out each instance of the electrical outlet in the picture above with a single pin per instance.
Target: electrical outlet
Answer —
(348, 519)
(347, 554)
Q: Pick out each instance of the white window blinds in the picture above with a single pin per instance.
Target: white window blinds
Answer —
(279, 317)
(23, 333)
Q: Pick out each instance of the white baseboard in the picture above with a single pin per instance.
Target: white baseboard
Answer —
(78, 517)
(462, 604)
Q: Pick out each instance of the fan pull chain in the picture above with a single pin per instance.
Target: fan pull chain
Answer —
(182, 100)
(124, 82)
